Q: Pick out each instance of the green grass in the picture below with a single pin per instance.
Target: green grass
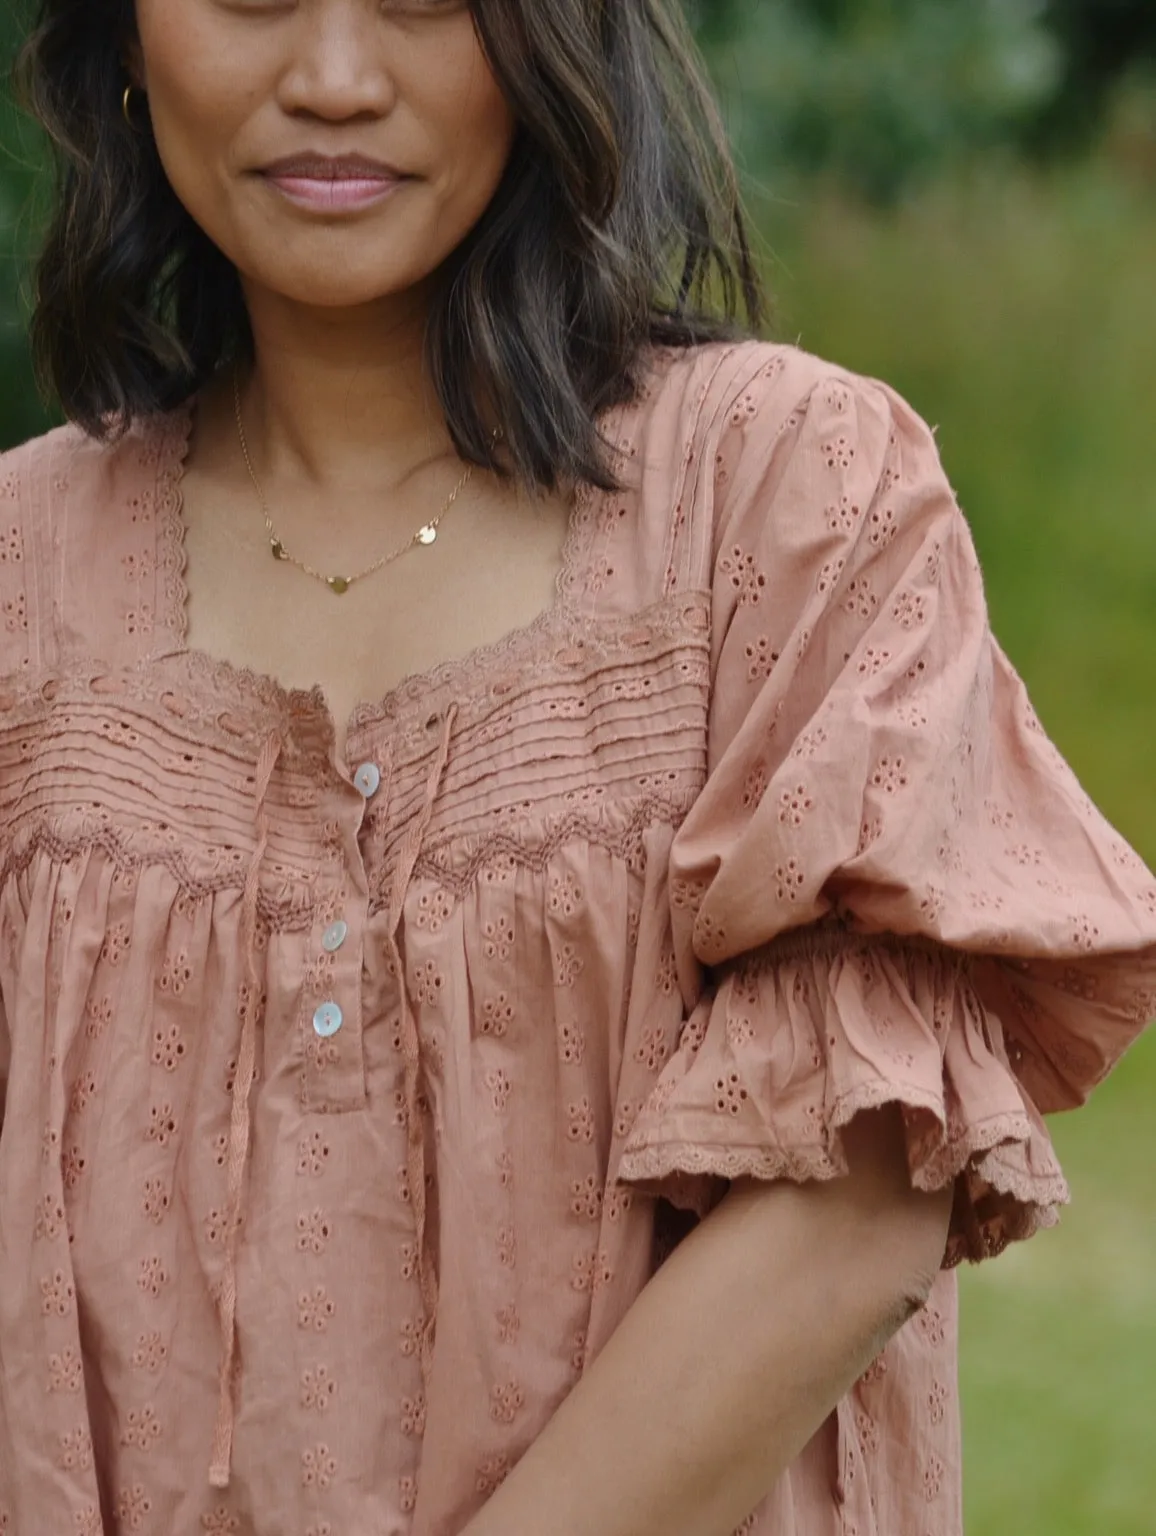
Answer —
(1019, 317)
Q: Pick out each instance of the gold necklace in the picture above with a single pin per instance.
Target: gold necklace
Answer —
(426, 534)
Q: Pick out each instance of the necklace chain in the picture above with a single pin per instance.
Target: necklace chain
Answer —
(425, 535)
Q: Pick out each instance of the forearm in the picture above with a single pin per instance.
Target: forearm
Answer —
(732, 1356)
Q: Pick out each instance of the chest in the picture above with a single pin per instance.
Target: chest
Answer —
(492, 570)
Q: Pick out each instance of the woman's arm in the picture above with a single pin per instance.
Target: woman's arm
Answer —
(734, 1354)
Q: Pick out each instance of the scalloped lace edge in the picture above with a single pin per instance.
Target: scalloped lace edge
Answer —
(1037, 1197)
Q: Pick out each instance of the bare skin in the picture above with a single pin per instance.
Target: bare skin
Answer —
(492, 570)
(344, 430)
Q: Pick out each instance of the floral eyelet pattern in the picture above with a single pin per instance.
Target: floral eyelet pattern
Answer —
(444, 1074)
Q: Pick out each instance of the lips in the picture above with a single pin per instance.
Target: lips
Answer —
(334, 185)
(310, 166)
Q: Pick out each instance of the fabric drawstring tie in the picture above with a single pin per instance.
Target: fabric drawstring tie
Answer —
(237, 1155)
(411, 1046)
(238, 1145)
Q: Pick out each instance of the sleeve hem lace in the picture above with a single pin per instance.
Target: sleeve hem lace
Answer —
(791, 1047)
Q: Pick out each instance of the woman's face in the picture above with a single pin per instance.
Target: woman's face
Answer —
(403, 86)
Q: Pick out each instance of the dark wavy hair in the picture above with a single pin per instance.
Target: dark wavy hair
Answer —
(619, 223)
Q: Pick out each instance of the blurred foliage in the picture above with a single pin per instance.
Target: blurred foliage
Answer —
(879, 95)
(882, 96)
(1102, 43)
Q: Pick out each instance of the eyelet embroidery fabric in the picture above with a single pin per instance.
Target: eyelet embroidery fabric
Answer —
(754, 829)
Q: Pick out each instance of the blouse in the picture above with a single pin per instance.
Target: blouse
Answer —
(347, 1106)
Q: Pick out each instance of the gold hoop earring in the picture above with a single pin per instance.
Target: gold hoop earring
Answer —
(126, 104)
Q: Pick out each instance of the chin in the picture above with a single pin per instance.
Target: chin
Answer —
(335, 286)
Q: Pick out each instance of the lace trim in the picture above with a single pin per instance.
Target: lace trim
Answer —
(218, 703)
(626, 841)
(290, 912)
(170, 445)
(562, 649)
(984, 1156)
(289, 904)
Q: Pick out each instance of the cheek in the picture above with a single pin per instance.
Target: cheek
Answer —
(185, 143)
(477, 128)
(197, 108)
(195, 136)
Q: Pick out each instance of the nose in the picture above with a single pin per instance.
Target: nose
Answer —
(338, 70)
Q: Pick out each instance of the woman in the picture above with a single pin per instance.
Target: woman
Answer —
(550, 1097)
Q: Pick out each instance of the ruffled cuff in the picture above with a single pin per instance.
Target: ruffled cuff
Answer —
(801, 1036)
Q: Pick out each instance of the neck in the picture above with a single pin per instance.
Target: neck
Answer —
(340, 402)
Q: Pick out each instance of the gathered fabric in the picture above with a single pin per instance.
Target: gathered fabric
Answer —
(347, 1106)
(411, 1050)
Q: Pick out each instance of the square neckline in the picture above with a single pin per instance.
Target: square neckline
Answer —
(417, 691)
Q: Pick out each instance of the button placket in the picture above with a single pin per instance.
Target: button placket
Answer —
(331, 1015)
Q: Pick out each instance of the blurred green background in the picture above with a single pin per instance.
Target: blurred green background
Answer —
(959, 196)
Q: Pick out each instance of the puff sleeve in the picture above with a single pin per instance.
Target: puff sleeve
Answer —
(891, 888)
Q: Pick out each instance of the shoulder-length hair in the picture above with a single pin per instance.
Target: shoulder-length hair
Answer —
(618, 224)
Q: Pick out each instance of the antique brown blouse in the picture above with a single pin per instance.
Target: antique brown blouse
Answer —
(338, 1096)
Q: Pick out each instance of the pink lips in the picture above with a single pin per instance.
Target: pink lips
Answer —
(332, 185)
(334, 194)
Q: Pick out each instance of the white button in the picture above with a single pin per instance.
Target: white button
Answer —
(368, 779)
(327, 1020)
(335, 936)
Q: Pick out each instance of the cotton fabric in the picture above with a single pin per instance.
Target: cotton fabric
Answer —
(754, 829)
